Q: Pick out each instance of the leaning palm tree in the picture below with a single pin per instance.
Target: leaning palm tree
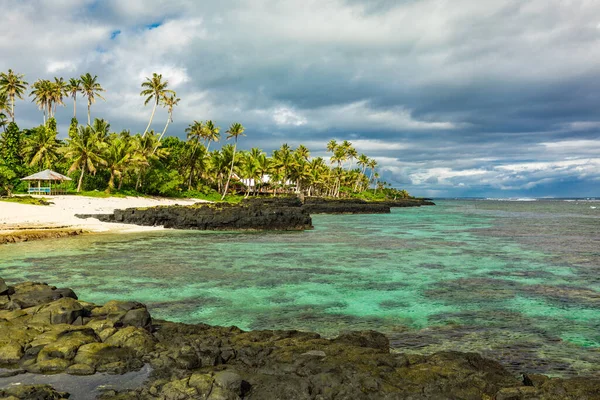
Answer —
(235, 130)
(12, 85)
(169, 102)
(74, 87)
(85, 151)
(42, 148)
(154, 89)
(362, 162)
(91, 89)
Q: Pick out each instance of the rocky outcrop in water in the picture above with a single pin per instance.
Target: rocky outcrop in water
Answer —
(251, 214)
(27, 235)
(44, 330)
(319, 205)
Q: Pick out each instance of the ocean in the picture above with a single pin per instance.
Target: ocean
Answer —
(517, 281)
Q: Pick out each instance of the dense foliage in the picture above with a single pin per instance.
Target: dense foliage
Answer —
(150, 163)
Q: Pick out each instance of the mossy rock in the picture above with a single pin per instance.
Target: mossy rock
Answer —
(98, 354)
(136, 339)
(81, 369)
(67, 344)
(10, 353)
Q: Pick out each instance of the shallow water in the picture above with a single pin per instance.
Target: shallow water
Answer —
(516, 281)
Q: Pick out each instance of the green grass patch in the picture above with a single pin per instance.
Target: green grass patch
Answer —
(35, 201)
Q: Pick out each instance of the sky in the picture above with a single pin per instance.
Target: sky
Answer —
(495, 98)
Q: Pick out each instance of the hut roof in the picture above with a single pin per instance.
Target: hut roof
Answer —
(46, 175)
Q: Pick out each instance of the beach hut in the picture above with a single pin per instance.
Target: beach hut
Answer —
(48, 183)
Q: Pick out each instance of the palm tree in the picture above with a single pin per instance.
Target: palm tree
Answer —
(210, 133)
(12, 85)
(91, 89)
(235, 130)
(372, 165)
(42, 148)
(169, 102)
(59, 90)
(362, 162)
(332, 145)
(42, 96)
(74, 87)
(154, 88)
(85, 150)
(147, 149)
(3, 107)
(117, 155)
(195, 132)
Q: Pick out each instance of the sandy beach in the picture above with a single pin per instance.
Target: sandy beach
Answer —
(61, 214)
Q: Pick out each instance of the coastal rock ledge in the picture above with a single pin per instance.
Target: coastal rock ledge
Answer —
(284, 214)
(46, 330)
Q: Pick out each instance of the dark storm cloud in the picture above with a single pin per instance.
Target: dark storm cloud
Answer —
(452, 98)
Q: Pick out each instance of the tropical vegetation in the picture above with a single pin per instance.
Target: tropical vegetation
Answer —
(151, 163)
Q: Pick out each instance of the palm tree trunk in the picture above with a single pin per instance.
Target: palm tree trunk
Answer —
(151, 117)
(230, 170)
(111, 182)
(164, 130)
(161, 135)
(12, 110)
(89, 113)
(75, 106)
(81, 178)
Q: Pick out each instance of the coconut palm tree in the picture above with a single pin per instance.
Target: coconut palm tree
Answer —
(13, 86)
(154, 89)
(42, 148)
(195, 132)
(332, 145)
(210, 133)
(91, 89)
(362, 162)
(372, 165)
(85, 151)
(74, 87)
(235, 131)
(42, 96)
(118, 155)
(59, 91)
(169, 102)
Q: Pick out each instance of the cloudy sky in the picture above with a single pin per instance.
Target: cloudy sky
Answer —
(495, 98)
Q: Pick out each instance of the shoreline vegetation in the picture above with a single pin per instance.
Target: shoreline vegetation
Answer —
(151, 163)
(48, 330)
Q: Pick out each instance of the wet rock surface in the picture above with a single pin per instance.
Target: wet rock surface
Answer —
(57, 333)
(27, 235)
(250, 214)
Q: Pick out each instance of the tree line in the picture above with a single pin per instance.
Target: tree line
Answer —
(155, 164)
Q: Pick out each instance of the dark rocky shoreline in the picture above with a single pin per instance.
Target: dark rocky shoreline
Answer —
(277, 213)
(319, 205)
(284, 214)
(46, 330)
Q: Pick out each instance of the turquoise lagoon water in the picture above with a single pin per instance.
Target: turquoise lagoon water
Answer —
(516, 281)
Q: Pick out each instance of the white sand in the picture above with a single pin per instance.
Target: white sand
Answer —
(61, 214)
